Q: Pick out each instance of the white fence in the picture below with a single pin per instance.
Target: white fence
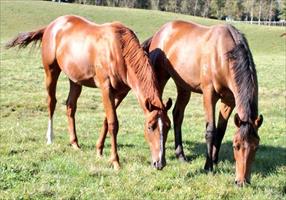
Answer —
(265, 23)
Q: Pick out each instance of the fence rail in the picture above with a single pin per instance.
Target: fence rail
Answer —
(265, 23)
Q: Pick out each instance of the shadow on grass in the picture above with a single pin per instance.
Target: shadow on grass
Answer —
(106, 146)
(268, 158)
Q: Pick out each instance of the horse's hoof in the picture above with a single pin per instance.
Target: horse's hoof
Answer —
(208, 167)
(208, 170)
(75, 146)
(182, 158)
(180, 155)
(215, 162)
(99, 153)
(116, 166)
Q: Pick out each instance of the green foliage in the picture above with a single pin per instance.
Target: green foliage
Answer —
(29, 169)
(235, 9)
(283, 11)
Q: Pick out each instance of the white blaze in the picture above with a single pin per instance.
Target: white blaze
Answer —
(160, 123)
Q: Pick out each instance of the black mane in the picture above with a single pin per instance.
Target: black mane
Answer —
(245, 75)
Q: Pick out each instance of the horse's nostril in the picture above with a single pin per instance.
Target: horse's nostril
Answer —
(238, 183)
(157, 165)
(154, 164)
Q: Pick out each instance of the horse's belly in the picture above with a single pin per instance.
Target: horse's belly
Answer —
(88, 83)
(187, 77)
(80, 73)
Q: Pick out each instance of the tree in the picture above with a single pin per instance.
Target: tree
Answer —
(206, 8)
(195, 10)
(155, 4)
(258, 10)
(230, 8)
(146, 4)
(270, 12)
(283, 11)
(186, 7)
(162, 5)
(216, 8)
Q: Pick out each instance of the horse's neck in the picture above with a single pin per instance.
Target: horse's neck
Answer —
(144, 89)
(247, 106)
(140, 75)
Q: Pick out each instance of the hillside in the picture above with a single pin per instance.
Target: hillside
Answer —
(29, 169)
(23, 16)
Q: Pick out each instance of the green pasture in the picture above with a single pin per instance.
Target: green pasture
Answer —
(29, 169)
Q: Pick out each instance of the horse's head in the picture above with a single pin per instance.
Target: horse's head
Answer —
(157, 125)
(245, 144)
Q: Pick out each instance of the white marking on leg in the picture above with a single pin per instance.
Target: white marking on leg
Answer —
(50, 134)
(161, 137)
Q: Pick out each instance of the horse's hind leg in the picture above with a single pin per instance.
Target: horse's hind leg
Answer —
(183, 97)
(52, 74)
(74, 93)
(224, 114)
(210, 100)
(104, 129)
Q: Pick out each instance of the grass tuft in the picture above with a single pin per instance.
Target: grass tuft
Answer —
(29, 169)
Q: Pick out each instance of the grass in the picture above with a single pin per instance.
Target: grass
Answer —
(29, 169)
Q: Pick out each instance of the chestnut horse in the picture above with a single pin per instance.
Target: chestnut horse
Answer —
(215, 61)
(107, 56)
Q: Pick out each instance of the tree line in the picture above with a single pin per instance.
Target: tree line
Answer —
(246, 10)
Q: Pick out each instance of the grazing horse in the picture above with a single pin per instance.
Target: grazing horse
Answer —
(107, 56)
(215, 61)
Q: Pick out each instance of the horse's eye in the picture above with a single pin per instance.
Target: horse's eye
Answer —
(150, 129)
(236, 147)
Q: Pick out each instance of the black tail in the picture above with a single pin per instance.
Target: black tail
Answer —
(24, 39)
(146, 44)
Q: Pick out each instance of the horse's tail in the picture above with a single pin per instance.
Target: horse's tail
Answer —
(146, 44)
(24, 39)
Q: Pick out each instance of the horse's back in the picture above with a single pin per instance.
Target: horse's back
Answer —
(195, 53)
(80, 48)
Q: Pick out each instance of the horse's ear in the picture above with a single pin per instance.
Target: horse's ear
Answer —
(149, 105)
(168, 104)
(258, 121)
(237, 120)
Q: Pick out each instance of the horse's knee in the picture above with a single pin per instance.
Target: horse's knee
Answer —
(51, 105)
(71, 108)
(52, 100)
(175, 112)
(210, 133)
(209, 136)
(113, 127)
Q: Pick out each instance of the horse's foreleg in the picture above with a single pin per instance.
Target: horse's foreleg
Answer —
(183, 97)
(52, 74)
(112, 122)
(101, 139)
(224, 114)
(74, 93)
(104, 129)
(210, 100)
